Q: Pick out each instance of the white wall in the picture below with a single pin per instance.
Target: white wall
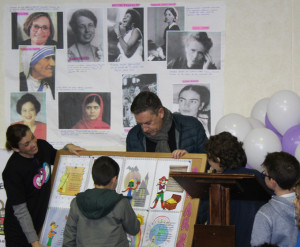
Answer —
(261, 54)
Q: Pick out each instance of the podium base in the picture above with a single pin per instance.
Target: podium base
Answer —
(214, 236)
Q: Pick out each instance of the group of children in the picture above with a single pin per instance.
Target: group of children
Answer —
(259, 223)
(96, 221)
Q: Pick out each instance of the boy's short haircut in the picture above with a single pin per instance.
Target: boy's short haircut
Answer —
(104, 169)
(283, 167)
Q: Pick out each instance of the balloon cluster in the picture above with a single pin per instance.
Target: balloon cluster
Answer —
(274, 126)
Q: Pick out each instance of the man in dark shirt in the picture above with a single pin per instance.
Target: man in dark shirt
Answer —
(158, 130)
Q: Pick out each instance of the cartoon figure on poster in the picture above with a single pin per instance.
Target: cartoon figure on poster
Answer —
(51, 233)
(63, 182)
(161, 188)
(132, 180)
(131, 187)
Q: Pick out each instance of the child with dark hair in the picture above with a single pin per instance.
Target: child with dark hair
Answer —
(275, 221)
(226, 155)
(101, 216)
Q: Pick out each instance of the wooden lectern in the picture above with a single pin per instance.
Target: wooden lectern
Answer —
(219, 189)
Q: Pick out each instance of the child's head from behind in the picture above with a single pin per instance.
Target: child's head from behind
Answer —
(224, 150)
(282, 167)
(104, 170)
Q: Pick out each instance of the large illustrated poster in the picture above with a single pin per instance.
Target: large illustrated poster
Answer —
(167, 214)
(72, 71)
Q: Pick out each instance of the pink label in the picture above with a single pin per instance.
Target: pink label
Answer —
(79, 58)
(200, 28)
(189, 81)
(22, 13)
(126, 130)
(125, 5)
(195, 170)
(162, 4)
(30, 49)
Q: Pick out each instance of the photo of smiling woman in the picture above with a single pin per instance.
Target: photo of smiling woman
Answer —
(125, 35)
(37, 28)
(83, 38)
(28, 107)
(194, 100)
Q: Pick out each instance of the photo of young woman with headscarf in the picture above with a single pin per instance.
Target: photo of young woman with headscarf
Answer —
(84, 110)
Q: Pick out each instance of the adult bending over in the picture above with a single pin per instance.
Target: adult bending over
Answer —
(158, 130)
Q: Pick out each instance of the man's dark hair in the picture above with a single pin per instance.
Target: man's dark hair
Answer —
(283, 167)
(28, 98)
(228, 149)
(104, 169)
(144, 101)
(14, 134)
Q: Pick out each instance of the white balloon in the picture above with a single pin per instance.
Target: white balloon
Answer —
(255, 123)
(234, 123)
(258, 143)
(297, 153)
(259, 110)
(283, 110)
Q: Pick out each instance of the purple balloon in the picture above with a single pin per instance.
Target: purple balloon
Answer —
(291, 139)
(248, 166)
(271, 127)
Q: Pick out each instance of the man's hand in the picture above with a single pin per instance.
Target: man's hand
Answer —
(176, 154)
(36, 244)
(73, 149)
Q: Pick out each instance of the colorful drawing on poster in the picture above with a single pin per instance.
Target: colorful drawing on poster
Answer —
(161, 188)
(132, 180)
(139, 195)
(134, 241)
(2, 215)
(51, 233)
(159, 232)
(70, 181)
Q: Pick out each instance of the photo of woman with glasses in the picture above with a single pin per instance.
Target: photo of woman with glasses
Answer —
(39, 27)
(83, 24)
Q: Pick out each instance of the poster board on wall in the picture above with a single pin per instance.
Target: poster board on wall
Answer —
(174, 216)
